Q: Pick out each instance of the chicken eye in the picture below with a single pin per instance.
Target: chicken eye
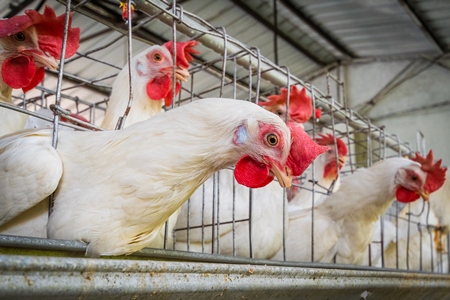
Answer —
(157, 57)
(279, 113)
(272, 139)
(414, 177)
(20, 36)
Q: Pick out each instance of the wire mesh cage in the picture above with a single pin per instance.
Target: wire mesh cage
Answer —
(223, 217)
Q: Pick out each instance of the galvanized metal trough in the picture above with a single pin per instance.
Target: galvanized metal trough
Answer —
(44, 269)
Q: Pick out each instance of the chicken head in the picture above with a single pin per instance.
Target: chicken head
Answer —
(258, 170)
(419, 180)
(331, 169)
(31, 42)
(300, 105)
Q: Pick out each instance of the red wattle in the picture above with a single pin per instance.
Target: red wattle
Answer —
(18, 72)
(406, 196)
(252, 173)
(157, 88)
(330, 170)
(38, 77)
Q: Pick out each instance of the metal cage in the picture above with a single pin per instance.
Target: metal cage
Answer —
(227, 68)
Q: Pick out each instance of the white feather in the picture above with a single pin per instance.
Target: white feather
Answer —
(344, 223)
(119, 187)
(266, 219)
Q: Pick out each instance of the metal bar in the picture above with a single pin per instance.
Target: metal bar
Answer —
(420, 21)
(51, 199)
(17, 242)
(75, 278)
(275, 32)
(313, 168)
(203, 218)
(218, 212)
(250, 212)
(213, 215)
(121, 121)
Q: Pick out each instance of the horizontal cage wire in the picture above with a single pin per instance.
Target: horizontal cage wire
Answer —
(223, 217)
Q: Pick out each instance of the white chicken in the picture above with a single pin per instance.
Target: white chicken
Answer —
(119, 187)
(326, 175)
(155, 60)
(346, 218)
(420, 244)
(29, 43)
(224, 201)
(152, 83)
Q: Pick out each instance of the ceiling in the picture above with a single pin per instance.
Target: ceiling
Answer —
(307, 36)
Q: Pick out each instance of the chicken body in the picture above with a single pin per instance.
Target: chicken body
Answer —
(153, 70)
(422, 254)
(426, 247)
(119, 187)
(344, 222)
(266, 219)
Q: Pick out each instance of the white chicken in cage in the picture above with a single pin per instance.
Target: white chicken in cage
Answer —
(120, 208)
(421, 243)
(347, 217)
(152, 83)
(29, 43)
(153, 70)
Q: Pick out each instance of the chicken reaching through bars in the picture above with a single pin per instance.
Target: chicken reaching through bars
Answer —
(29, 43)
(152, 83)
(344, 222)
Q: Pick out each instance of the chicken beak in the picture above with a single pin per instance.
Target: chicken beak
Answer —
(41, 58)
(182, 74)
(424, 194)
(284, 176)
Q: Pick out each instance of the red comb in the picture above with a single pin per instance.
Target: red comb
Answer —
(184, 52)
(328, 139)
(303, 150)
(435, 173)
(317, 113)
(50, 30)
(300, 105)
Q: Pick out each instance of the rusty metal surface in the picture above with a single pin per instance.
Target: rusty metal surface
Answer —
(27, 277)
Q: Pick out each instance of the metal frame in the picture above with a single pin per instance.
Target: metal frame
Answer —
(367, 142)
